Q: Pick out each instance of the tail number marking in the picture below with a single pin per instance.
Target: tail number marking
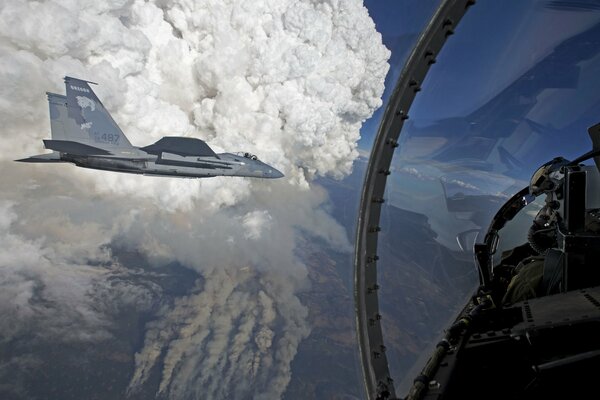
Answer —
(79, 89)
(107, 138)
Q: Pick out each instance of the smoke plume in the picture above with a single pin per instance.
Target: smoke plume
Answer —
(289, 80)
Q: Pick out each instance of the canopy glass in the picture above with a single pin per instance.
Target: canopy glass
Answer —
(516, 85)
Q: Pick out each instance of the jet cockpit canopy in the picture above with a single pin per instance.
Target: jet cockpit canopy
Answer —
(246, 155)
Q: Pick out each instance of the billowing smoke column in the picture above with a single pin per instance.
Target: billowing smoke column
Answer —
(291, 81)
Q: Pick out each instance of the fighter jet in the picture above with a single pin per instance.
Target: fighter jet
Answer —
(84, 133)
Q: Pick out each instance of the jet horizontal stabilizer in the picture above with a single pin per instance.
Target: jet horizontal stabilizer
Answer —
(42, 158)
(76, 148)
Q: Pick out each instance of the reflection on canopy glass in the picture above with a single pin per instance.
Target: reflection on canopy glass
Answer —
(514, 87)
(400, 24)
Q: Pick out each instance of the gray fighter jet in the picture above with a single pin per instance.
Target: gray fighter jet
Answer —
(84, 133)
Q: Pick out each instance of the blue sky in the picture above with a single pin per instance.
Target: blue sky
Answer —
(517, 35)
(399, 23)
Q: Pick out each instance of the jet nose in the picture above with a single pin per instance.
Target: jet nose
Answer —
(273, 173)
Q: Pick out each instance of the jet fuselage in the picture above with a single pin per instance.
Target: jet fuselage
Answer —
(226, 164)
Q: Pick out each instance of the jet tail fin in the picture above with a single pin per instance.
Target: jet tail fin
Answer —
(81, 117)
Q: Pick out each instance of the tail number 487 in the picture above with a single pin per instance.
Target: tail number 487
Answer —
(111, 138)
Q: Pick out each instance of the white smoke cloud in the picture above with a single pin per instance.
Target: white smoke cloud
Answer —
(289, 80)
(70, 292)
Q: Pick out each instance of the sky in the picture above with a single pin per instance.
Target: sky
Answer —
(400, 23)
(290, 81)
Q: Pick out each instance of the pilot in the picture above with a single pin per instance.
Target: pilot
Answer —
(525, 284)
(541, 274)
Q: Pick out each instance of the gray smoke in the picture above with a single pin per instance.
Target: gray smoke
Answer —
(291, 81)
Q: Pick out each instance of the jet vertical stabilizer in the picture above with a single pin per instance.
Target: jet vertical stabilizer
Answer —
(81, 117)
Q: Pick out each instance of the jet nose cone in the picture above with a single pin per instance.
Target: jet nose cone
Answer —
(272, 173)
(276, 174)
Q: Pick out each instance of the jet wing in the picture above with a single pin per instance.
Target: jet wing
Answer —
(182, 146)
